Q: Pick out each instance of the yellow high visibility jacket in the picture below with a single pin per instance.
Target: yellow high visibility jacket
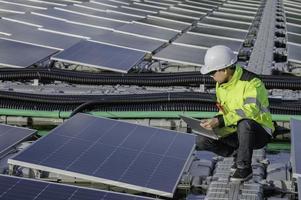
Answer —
(243, 97)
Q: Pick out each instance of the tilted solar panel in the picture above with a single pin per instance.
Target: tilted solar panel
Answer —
(101, 56)
(295, 147)
(182, 54)
(30, 189)
(116, 153)
(11, 136)
(10, 52)
(128, 41)
(204, 41)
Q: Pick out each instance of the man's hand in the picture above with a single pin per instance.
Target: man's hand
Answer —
(209, 123)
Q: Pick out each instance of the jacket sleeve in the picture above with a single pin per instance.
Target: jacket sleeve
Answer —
(252, 105)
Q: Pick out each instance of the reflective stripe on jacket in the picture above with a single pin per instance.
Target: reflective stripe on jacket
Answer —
(244, 97)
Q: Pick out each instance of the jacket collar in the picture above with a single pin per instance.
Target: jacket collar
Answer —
(236, 76)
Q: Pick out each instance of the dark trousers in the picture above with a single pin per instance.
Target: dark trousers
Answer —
(250, 135)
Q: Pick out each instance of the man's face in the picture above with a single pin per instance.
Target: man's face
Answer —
(220, 76)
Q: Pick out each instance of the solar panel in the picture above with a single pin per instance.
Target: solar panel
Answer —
(160, 23)
(293, 29)
(295, 147)
(299, 186)
(236, 11)
(225, 24)
(132, 156)
(14, 8)
(10, 52)
(147, 32)
(293, 21)
(201, 4)
(293, 38)
(28, 4)
(80, 19)
(27, 34)
(173, 18)
(130, 12)
(184, 13)
(31, 19)
(224, 33)
(74, 30)
(294, 53)
(206, 41)
(30, 189)
(186, 6)
(239, 18)
(99, 14)
(11, 136)
(101, 56)
(128, 41)
(182, 55)
(144, 8)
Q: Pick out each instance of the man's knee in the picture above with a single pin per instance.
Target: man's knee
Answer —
(203, 143)
(246, 125)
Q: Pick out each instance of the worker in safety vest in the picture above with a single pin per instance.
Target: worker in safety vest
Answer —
(244, 115)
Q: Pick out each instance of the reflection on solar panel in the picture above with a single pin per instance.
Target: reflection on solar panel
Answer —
(206, 41)
(116, 153)
(294, 53)
(11, 136)
(30, 54)
(101, 56)
(147, 32)
(220, 32)
(129, 41)
(295, 147)
(29, 189)
(130, 12)
(160, 23)
(182, 55)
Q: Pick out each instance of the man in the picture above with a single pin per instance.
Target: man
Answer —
(243, 110)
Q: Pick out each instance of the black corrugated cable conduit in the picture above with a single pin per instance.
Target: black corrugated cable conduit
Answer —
(176, 101)
(142, 79)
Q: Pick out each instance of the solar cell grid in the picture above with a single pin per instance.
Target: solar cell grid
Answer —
(102, 56)
(206, 41)
(182, 54)
(31, 54)
(295, 147)
(29, 189)
(128, 41)
(11, 136)
(117, 153)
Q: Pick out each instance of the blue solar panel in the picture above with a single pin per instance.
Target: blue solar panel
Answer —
(11, 136)
(26, 189)
(100, 56)
(9, 51)
(117, 153)
(295, 147)
(202, 41)
(129, 41)
(147, 31)
(182, 54)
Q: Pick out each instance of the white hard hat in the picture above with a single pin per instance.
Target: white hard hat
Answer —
(218, 57)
